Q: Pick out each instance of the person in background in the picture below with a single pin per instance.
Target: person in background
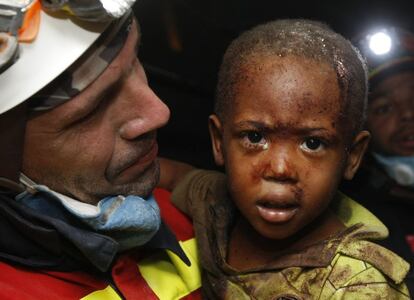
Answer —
(79, 162)
(288, 126)
(385, 183)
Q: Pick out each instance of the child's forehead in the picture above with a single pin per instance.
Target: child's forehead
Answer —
(287, 90)
(275, 64)
(289, 80)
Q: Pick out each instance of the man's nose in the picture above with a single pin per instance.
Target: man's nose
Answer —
(407, 110)
(280, 167)
(146, 112)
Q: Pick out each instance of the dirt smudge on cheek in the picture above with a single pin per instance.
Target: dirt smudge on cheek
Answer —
(258, 171)
(298, 194)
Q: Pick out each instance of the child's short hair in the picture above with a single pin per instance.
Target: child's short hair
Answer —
(303, 38)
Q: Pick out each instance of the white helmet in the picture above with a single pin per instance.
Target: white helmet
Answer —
(61, 40)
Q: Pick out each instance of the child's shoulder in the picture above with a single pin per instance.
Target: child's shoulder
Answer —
(199, 183)
(198, 190)
(363, 227)
(364, 255)
(200, 178)
(355, 259)
(362, 269)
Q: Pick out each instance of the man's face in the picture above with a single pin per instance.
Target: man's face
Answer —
(282, 145)
(103, 141)
(391, 115)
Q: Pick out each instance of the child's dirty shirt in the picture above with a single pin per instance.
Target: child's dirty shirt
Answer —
(347, 266)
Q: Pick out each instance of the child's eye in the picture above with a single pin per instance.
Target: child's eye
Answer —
(312, 144)
(254, 140)
(254, 137)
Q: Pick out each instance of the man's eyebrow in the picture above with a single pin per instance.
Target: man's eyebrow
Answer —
(93, 101)
(114, 85)
(118, 78)
(377, 94)
(109, 90)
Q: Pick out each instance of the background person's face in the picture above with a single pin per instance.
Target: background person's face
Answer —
(102, 142)
(282, 145)
(390, 117)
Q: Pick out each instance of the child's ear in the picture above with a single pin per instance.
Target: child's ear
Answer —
(356, 153)
(216, 134)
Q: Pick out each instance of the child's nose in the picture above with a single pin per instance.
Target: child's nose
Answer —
(280, 168)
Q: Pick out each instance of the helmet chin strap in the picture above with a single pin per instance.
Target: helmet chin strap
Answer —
(12, 129)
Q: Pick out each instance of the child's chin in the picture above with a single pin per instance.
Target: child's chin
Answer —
(281, 233)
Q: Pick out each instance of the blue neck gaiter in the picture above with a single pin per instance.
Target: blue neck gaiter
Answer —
(132, 221)
(399, 168)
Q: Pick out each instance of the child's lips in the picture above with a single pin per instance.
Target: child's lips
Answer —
(277, 212)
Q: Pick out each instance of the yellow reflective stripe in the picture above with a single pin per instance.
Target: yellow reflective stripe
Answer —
(168, 277)
(106, 294)
(190, 275)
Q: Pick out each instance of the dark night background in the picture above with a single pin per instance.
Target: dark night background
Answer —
(183, 42)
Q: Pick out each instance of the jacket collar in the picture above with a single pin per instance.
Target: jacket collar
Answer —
(32, 239)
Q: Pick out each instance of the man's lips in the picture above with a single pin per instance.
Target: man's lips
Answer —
(140, 165)
(405, 139)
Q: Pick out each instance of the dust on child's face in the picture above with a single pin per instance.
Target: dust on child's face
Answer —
(284, 150)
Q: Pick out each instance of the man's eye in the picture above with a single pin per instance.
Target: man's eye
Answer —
(381, 107)
(312, 144)
(382, 110)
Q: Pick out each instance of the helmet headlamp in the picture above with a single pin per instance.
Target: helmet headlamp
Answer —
(380, 43)
(386, 50)
(19, 22)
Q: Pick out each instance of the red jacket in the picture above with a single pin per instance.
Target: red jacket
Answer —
(160, 274)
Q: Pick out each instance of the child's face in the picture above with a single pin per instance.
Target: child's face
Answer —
(390, 117)
(282, 145)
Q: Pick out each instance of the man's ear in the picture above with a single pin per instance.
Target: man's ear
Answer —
(356, 153)
(216, 134)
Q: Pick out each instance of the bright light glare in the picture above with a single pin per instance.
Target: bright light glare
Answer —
(380, 43)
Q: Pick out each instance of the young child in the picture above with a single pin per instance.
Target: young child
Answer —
(287, 128)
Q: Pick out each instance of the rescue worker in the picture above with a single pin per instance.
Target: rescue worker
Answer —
(385, 183)
(79, 160)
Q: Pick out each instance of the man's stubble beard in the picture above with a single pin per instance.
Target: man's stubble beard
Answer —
(142, 186)
(89, 189)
